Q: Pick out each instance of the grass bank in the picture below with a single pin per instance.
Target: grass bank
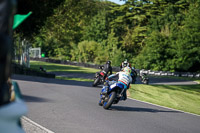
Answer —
(185, 98)
(53, 67)
(77, 79)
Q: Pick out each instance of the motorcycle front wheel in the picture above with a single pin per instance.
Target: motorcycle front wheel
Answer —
(107, 104)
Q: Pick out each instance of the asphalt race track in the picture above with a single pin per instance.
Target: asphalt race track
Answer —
(72, 107)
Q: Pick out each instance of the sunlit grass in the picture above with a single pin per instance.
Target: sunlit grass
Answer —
(77, 79)
(53, 67)
(198, 81)
(186, 98)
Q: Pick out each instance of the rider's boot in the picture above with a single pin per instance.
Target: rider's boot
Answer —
(124, 96)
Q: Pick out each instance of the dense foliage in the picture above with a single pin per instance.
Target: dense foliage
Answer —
(151, 34)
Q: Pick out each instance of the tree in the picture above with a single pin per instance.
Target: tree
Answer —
(41, 10)
(187, 47)
(115, 53)
(97, 29)
(162, 32)
(88, 51)
(65, 26)
(154, 56)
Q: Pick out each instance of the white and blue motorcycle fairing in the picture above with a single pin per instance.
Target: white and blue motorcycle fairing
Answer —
(113, 86)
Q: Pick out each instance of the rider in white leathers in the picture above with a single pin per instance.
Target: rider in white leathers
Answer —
(124, 78)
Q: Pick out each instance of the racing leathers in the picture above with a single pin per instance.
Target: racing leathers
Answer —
(125, 79)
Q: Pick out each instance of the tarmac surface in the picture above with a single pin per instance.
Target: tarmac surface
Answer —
(71, 107)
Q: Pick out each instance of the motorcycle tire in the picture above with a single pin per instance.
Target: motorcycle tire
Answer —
(107, 104)
(96, 81)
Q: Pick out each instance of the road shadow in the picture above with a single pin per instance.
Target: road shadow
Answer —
(51, 80)
(28, 98)
(138, 109)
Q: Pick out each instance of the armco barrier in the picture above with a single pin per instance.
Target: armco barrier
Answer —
(149, 72)
(166, 73)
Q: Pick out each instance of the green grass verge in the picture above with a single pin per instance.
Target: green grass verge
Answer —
(197, 81)
(77, 79)
(53, 67)
(185, 98)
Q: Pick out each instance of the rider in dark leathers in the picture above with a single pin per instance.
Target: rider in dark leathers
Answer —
(107, 69)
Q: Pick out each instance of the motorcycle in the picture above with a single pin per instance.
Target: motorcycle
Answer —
(99, 78)
(133, 75)
(144, 78)
(113, 96)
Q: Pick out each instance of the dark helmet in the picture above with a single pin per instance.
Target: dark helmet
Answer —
(108, 62)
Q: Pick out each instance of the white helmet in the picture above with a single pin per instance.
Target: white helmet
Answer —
(125, 63)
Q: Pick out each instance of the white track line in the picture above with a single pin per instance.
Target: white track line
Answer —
(37, 125)
(164, 107)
